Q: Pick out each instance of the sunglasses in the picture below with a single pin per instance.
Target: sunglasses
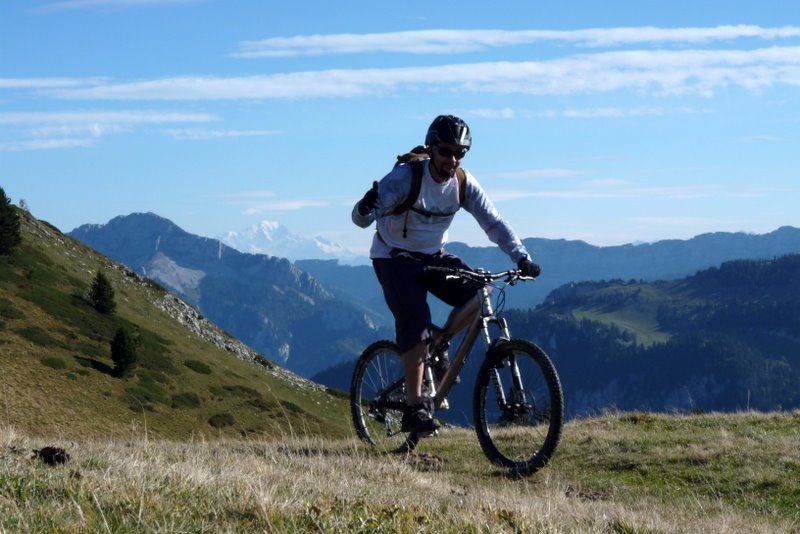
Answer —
(449, 153)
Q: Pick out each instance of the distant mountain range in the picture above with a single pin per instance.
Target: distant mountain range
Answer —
(265, 301)
(274, 239)
(565, 262)
(313, 314)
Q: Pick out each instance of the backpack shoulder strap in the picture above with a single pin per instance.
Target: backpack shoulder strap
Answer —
(413, 192)
(462, 185)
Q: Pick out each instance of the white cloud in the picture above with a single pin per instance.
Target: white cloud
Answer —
(668, 192)
(613, 112)
(71, 129)
(606, 182)
(458, 41)
(488, 113)
(45, 144)
(197, 134)
(127, 117)
(662, 72)
(47, 83)
(583, 113)
(285, 205)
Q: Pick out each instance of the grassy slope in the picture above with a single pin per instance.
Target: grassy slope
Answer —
(629, 472)
(635, 310)
(56, 368)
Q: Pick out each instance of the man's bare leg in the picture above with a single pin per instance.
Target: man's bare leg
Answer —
(414, 367)
(461, 317)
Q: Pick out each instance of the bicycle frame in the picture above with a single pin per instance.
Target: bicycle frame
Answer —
(483, 315)
(518, 403)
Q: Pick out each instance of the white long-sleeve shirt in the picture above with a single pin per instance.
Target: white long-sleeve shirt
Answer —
(428, 233)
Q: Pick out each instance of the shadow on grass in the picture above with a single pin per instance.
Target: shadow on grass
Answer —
(95, 364)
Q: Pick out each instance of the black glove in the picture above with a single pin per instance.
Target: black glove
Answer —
(370, 200)
(529, 268)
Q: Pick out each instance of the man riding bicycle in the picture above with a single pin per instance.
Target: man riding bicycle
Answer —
(409, 241)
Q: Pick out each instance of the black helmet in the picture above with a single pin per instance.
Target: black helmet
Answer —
(448, 129)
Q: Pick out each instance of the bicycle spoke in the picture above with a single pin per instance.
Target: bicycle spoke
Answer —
(377, 398)
(519, 407)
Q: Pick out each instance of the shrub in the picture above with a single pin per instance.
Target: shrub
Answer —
(186, 400)
(221, 420)
(198, 367)
(38, 336)
(8, 310)
(54, 362)
(263, 405)
(144, 394)
(263, 362)
(101, 295)
(241, 391)
(9, 226)
(123, 353)
(291, 407)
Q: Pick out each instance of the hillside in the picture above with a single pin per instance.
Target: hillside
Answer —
(727, 338)
(193, 379)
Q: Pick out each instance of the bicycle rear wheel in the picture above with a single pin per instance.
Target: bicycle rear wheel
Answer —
(378, 398)
(518, 407)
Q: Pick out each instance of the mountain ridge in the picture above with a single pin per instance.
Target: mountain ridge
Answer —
(192, 379)
(267, 302)
(567, 261)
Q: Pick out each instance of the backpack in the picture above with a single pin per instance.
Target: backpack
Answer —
(415, 157)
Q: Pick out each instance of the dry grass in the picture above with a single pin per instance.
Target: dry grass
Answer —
(319, 485)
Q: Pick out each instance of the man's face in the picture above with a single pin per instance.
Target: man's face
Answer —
(448, 157)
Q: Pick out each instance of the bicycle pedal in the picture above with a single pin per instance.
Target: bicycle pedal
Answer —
(444, 405)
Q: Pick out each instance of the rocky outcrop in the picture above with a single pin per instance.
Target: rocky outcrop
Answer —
(189, 317)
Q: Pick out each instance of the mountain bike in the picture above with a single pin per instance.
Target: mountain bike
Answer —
(518, 405)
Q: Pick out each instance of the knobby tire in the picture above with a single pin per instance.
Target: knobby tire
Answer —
(377, 397)
(522, 434)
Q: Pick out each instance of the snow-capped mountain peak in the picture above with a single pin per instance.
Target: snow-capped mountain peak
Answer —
(274, 239)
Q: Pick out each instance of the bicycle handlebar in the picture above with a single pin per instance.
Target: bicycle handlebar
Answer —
(482, 276)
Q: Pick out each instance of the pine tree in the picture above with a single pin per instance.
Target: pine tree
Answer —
(101, 296)
(9, 225)
(123, 353)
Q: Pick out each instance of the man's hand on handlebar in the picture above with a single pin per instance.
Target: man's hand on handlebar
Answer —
(528, 268)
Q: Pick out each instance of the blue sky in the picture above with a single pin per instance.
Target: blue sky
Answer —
(610, 122)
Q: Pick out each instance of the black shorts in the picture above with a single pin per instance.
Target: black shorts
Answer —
(406, 284)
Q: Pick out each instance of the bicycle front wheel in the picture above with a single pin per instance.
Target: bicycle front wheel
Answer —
(518, 406)
(378, 398)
